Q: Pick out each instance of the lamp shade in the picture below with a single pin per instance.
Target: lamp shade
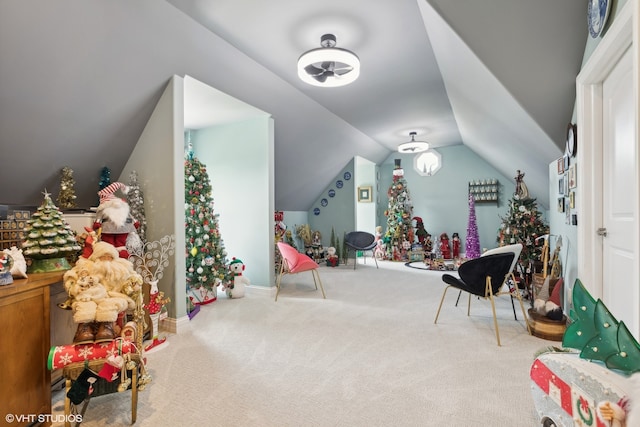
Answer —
(413, 146)
(328, 66)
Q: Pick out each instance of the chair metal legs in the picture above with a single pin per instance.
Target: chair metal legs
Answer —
(364, 256)
(490, 297)
(316, 281)
(441, 301)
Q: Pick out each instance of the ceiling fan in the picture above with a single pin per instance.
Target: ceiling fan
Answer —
(328, 65)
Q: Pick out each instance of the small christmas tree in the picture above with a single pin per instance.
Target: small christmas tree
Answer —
(67, 196)
(48, 239)
(206, 257)
(598, 335)
(135, 199)
(399, 234)
(472, 243)
(105, 179)
(523, 224)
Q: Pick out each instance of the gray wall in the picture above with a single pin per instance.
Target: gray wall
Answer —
(339, 213)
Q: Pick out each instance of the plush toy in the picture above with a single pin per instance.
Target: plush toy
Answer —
(332, 258)
(236, 288)
(549, 305)
(114, 219)
(100, 287)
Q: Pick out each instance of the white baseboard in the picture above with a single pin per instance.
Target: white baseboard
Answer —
(174, 326)
(262, 290)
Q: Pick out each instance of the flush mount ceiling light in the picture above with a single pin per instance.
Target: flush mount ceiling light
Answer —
(328, 66)
(413, 146)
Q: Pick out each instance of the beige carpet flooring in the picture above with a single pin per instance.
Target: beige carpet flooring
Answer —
(368, 355)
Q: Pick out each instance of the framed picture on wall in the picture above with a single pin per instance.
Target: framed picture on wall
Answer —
(365, 194)
(561, 204)
(572, 200)
(561, 185)
(566, 184)
(572, 176)
(560, 165)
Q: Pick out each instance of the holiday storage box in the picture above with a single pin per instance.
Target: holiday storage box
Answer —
(567, 389)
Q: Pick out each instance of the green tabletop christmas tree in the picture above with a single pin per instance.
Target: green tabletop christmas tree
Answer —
(48, 239)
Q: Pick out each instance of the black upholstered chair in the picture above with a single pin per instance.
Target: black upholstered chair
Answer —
(360, 241)
(485, 278)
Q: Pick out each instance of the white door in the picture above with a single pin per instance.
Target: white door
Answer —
(620, 292)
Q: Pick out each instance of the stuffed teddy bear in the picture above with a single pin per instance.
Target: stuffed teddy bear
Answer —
(114, 219)
(236, 288)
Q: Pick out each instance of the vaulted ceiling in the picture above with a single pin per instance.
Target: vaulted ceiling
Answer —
(78, 80)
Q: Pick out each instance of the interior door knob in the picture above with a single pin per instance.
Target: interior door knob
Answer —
(602, 232)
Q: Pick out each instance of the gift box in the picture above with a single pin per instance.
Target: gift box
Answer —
(63, 355)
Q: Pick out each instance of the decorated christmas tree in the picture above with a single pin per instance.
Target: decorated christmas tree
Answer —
(399, 235)
(67, 196)
(523, 224)
(472, 243)
(206, 258)
(48, 239)
(105, 179)
(135, 199)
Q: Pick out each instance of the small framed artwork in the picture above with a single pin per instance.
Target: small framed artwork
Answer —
(572, 200)
(566, 162)
(572, 176)
(561, 185)
(365, 194)
(560, 165)
(561, 204)
(566, 184)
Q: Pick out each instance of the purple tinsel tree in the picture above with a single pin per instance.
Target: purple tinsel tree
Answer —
(472, 244)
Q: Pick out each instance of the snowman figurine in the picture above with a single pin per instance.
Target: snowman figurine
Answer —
(236, 288)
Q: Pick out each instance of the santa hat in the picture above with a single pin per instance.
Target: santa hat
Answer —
(107, 192)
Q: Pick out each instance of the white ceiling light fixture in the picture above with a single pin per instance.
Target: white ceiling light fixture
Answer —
(328, 66)
(413, 146)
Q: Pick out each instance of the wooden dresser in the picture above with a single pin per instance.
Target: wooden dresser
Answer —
(25, 340)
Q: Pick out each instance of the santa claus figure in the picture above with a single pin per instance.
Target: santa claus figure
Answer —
(101, 287)
(114, 219)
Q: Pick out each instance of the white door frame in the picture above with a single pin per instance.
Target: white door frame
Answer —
(622, 34)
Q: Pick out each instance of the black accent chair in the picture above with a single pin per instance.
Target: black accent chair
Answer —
(485, 278)
(360, 241)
